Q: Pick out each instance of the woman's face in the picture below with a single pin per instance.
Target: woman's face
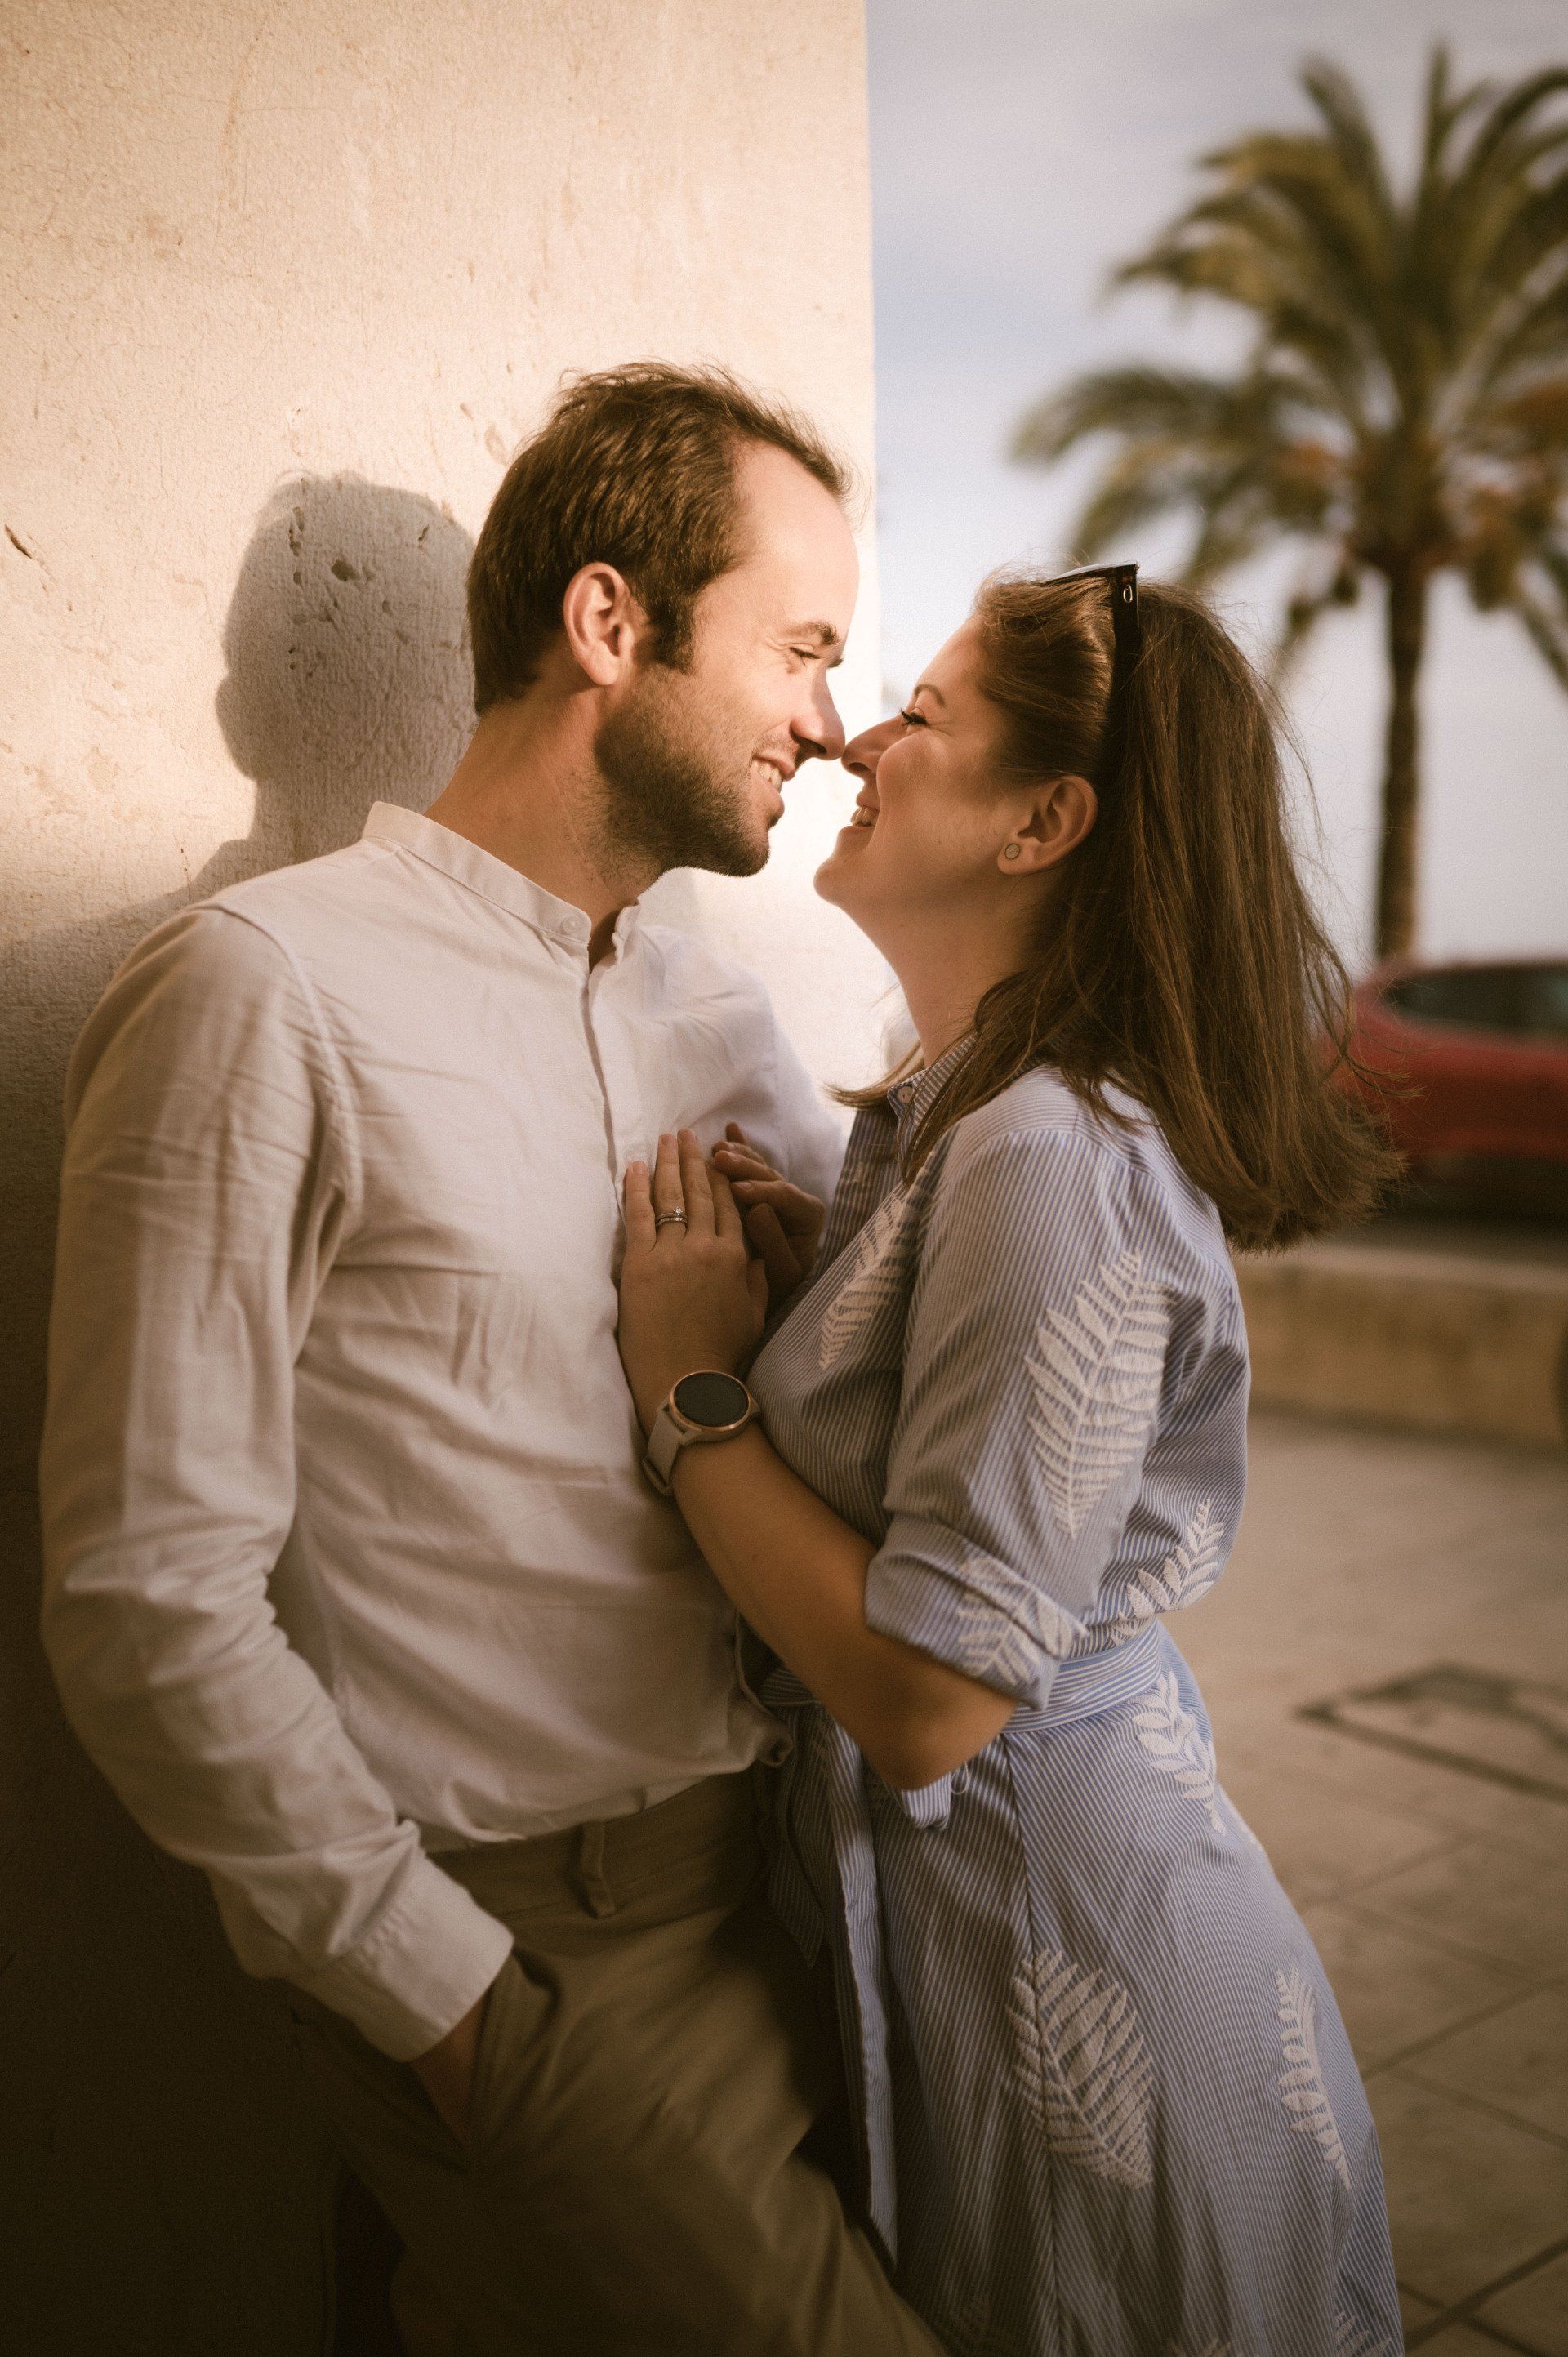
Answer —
(931, 823)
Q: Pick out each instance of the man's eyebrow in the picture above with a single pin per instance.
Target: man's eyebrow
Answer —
(924, 687)
(823, 632)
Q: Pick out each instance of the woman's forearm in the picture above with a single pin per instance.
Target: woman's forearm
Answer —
(798, 1574)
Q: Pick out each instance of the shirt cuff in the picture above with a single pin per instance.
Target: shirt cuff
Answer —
(930, 1587)
(429, 1960)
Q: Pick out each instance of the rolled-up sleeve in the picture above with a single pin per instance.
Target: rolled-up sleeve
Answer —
(209, 1171)
(1035, 1361)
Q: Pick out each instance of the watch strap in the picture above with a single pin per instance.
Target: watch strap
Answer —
(665, 1442)
(671, 1433)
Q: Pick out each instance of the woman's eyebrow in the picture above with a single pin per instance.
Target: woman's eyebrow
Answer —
(924, 687)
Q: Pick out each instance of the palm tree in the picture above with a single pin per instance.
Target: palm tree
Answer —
(1404, 408)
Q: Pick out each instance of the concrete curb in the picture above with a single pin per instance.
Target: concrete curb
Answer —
(1421, 1341)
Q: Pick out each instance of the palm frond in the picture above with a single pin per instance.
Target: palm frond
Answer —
(1288, 209)
(1495, 261)
(1304, 608)
(1404, 404)
(1534, 334)
(1184, 405)
(1351, 131)
(1543, 609)
(1510, 113)
(1479, 228)
(1138, 486)
(1528, 422)
(1233, 454)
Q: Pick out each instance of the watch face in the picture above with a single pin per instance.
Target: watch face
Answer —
(713, 1401)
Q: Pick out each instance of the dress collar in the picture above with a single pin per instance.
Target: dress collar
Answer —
(910, 1100)
(481, 872)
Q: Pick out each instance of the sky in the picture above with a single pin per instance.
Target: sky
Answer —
(1019, 149)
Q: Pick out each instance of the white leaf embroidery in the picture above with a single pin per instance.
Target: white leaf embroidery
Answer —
(1174, 1741)
(1301, 2085)
(1085, 2066)
(1001, 1645)
(1097, 1380)
(1185, 1575)
(873, 1281)
(1353, 2339)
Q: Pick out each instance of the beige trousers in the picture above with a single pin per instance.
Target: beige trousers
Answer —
(651, 2058)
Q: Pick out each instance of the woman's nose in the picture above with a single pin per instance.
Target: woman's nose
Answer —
(862, 754)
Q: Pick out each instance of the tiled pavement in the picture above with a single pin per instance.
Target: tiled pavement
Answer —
(1438, 1899)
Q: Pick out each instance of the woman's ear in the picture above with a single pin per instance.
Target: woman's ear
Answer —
(1054, 823)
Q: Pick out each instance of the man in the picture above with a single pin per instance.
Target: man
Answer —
(354, 1589)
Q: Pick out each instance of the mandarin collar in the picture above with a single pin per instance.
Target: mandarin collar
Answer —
(909, 1100)
(480, 871)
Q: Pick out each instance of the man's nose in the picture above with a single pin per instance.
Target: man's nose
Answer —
(819, 732)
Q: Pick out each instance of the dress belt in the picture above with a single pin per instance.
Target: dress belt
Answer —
(1082, 1687)
(1091, 1683)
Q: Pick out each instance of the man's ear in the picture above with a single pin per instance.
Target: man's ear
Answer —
(1057, 818)
(603, 622)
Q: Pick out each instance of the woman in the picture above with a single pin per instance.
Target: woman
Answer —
(1105, 2103)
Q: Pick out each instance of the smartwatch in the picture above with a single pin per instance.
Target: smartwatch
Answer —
(701, 1408)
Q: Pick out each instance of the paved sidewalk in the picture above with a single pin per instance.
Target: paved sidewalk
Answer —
(1438, 1896)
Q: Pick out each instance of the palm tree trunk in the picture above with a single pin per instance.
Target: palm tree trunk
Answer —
(1396, 865)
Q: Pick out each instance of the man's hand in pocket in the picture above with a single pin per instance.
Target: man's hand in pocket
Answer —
(446, 2072)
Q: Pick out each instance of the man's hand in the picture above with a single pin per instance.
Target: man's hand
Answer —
(446, 2072)
(782, 1223)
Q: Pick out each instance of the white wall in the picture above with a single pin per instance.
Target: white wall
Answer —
(293, 281)
(285, 282)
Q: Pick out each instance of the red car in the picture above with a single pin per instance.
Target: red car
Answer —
(1475, 1060)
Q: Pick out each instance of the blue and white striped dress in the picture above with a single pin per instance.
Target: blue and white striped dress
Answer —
(1104, 2100)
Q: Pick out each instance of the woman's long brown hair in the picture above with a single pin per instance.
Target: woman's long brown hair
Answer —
(1178, 957)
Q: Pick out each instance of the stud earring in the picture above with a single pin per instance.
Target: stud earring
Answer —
(1013, 851)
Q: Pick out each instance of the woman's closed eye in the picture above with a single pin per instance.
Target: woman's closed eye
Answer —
(911, 718)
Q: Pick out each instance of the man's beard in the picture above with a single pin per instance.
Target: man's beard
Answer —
(671, 801)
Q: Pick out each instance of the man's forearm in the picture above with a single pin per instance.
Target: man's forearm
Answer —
(195, 1218)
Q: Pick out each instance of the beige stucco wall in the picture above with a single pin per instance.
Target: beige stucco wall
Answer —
(292, 280)
(283, 282)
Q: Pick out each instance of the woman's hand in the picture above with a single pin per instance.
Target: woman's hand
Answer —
(691, 1294)
(784, 1223)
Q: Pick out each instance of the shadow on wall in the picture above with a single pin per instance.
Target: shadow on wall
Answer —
(348, 682)
(348, 678)
(161, 2172)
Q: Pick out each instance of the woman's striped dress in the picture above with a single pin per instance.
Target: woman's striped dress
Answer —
(1105, 2102)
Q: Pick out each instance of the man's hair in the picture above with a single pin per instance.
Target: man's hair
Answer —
(634, 467)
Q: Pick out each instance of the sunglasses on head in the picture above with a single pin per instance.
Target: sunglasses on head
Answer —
(1122, 580)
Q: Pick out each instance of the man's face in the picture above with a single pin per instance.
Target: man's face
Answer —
(694, 763)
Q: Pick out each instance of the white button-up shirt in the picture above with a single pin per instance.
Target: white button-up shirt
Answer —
(348, 1557)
